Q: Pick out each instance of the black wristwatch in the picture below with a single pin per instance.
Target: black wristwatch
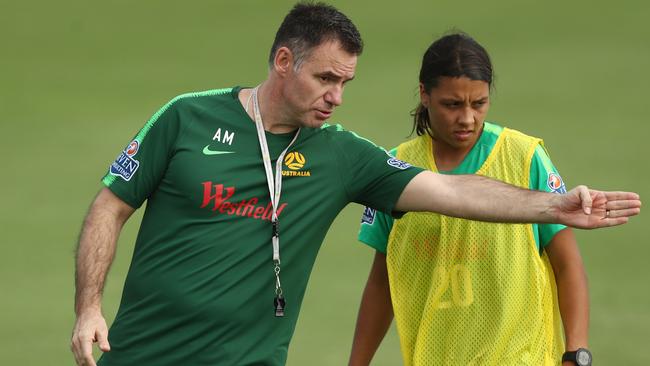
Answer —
(581, 357)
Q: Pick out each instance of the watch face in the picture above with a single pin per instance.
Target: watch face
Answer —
(583, 357)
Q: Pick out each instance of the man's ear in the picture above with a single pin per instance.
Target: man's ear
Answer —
(283, 61)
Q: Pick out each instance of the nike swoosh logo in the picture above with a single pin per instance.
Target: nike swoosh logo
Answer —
(207, 151)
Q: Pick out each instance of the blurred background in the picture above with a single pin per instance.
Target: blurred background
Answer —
(79, 78)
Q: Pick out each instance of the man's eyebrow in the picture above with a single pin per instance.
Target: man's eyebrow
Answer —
(334, 76)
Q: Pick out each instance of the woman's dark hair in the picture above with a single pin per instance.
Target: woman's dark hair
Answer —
(309, 25)
(453, 55)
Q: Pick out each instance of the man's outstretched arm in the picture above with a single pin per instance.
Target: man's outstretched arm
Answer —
(479, 198)
(95, 254)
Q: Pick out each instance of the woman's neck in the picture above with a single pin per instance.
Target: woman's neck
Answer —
(448, 157)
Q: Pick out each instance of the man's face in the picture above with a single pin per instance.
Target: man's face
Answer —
(316, 88)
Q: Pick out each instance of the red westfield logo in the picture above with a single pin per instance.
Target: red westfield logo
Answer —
(216, 196)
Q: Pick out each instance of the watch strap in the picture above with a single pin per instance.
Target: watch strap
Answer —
(576, 357)
(570, 356)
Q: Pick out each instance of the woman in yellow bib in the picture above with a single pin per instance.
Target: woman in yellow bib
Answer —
(466, 292)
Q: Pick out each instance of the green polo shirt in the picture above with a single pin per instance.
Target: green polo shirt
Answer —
(201, 285)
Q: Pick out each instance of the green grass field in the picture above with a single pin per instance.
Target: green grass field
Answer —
(78, 79)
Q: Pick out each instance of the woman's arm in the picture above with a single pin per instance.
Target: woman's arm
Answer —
(375, 314)
(572, 289)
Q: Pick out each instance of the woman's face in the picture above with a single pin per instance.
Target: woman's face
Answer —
(457, 107)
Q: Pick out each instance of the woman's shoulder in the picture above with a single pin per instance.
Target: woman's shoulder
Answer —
(497, 129)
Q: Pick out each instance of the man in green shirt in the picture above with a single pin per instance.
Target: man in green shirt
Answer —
(210, 283)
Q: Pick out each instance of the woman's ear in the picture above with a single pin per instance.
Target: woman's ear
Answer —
(424, 96)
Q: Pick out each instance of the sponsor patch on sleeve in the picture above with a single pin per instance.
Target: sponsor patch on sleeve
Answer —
(399, 164)
(368, 216)
(555, 183)
(125, 165)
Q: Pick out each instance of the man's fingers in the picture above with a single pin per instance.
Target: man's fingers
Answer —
(89, 361)
(627, 212)
(74, 346)
(86, 354)
(623, 204)
(82, 349)
(621, 196)
(102, 340)
(612, 221)
(585, 199)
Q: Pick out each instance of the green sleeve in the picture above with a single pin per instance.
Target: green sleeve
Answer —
(370, 175)
(545, 177)
(138, 169)
(375, 228)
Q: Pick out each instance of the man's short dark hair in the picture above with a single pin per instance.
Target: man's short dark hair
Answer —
(309, 25)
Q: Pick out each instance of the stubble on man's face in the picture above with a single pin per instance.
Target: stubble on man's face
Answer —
(316, 88)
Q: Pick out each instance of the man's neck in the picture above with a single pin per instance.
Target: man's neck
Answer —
(271, 106)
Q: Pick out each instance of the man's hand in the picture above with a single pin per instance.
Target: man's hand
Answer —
(589, 209)
(90, 328)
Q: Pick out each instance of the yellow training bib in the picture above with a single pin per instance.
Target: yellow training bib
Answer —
(468, 292)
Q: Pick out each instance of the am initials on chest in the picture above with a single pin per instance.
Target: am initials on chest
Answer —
(224, 137)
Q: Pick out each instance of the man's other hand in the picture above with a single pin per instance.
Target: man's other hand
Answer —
(89, 328)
